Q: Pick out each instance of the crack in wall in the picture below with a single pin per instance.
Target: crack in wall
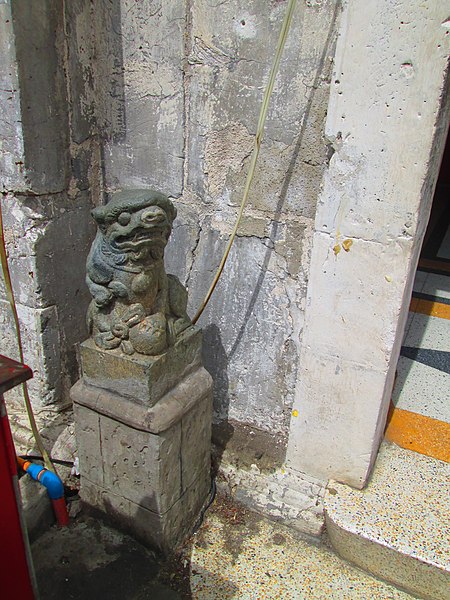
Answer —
(193, 253)
(390, 239)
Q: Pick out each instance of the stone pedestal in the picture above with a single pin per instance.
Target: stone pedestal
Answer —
(144, 431)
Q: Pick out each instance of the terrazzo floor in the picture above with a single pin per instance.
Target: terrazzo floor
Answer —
(239, 554)
(399, 526)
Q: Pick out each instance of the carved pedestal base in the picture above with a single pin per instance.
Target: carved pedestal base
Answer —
(147, 466)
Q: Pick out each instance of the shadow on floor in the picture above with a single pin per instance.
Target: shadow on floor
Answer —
(89, 560)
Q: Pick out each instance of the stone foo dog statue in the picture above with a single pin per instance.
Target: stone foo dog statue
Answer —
(136, 306)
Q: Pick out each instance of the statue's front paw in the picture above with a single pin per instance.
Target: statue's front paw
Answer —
(134, 314)
(120, 330)
(107, 341)
(127, 347)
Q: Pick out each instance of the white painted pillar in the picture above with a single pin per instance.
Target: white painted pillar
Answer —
(387, 121)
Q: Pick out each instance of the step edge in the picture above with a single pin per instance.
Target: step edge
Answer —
(428, 575)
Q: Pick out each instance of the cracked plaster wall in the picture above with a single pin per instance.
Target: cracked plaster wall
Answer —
(194, 76)
(50, 169)
(110, 94)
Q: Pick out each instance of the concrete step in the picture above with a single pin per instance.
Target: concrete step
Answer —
(398, 528)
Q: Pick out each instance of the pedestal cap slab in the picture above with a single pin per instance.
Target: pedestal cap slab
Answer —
(143, 379)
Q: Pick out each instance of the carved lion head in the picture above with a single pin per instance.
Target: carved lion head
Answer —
(136, 223)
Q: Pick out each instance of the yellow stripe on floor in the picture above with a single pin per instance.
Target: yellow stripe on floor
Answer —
(419, 433)
(431, 308)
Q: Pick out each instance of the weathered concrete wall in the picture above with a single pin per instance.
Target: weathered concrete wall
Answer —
(48, 174)
(388, 118)
(193, 83)
(148, 148)
(10, 122)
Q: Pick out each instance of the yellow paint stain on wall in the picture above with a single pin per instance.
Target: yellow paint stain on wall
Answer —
(295, 413)
(347, 244)
(419, 433)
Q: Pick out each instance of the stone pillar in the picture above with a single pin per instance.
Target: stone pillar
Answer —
(387, 121)
(144, 431)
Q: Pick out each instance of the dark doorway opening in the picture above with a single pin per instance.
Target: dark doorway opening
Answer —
(436, 244)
